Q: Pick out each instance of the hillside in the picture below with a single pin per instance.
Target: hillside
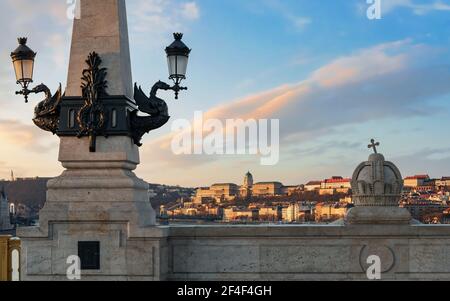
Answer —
(30, 192)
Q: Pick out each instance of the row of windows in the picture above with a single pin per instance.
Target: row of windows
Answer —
(71, 119)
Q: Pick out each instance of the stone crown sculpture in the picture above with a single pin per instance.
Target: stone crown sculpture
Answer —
(376, 191)
(377, 182)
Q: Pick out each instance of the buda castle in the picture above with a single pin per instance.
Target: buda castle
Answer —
(229, 191)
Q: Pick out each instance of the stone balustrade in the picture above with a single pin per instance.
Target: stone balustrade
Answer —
(307, 252)
(276, 252)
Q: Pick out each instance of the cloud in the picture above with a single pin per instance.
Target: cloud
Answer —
(161, 16)
(388, 6)
(58, 44)
(325, 147)
(390, 80)
(367, 63)
(191, 11)
(28, 11)
(47, 26)
(27, 150)
(425, 159)
(16, 134)
(298, 22)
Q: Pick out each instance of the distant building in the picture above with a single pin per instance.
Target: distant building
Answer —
(291, 214)
(335, 185)
(236, 214)
(270, 213)
(218, 192)
(313, 185)
(331, 212)
(427, 187)
(421, 208)
(416, 181)
(203, 193)
(230, 191)
(291, 190)
(329, 186)
(262, 189)
(296, 213)
(443, 183)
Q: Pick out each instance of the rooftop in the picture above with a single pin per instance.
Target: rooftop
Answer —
(265, 183)
(337, 180)
(223, 184)
(314, 183)
(418, 177)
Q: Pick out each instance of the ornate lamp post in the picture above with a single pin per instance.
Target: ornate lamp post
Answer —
(23, 61)
(96, 113)
(177, 59)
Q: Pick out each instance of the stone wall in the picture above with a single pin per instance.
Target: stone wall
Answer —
(301, 252)
(407, 252)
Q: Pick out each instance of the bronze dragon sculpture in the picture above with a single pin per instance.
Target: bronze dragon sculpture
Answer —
(153, 106)
(46, 113)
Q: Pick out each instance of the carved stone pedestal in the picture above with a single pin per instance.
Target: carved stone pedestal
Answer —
(97, 199)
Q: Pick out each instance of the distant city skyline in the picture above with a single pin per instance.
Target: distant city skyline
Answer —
(240, 179)
(334, 79)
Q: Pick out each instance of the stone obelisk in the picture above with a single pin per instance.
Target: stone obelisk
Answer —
(97, 209)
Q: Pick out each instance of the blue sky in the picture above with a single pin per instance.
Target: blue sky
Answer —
(333, 77)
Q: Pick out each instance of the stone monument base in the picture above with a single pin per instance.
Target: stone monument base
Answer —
(378, 215)
(98, 199)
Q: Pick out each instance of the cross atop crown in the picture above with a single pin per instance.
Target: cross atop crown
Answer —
(374, 145)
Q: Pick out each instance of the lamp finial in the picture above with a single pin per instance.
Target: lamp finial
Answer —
(22, 41)
(178, 36)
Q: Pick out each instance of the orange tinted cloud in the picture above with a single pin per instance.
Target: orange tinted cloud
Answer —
(350, 89)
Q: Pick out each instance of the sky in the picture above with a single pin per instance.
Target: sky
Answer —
(332, 77)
